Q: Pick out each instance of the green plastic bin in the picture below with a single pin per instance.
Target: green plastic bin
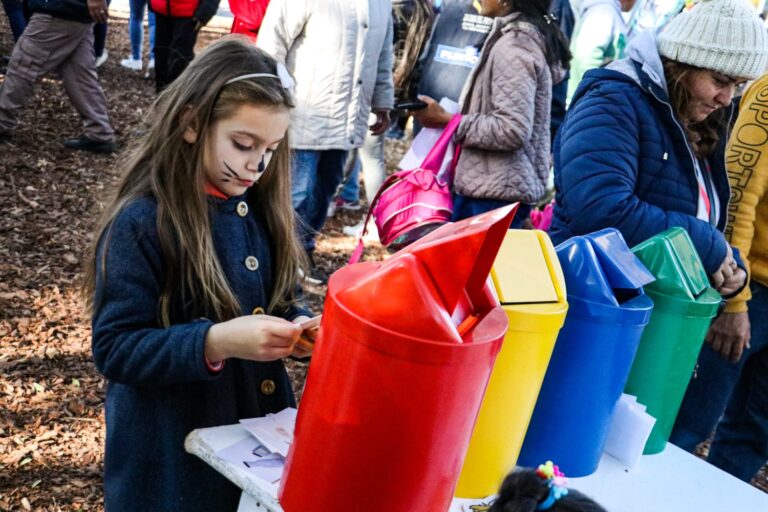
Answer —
(684, 305)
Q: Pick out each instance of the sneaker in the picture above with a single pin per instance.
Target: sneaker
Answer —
(101, 59)
(87, 144)
(131, 63)
(354, 231)
(315, 275)
(151, 64)
(352, 206)
(331, 209)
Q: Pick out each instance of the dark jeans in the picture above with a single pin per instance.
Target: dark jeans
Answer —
(465, 207)
(100, 36)
(315, 176)
(175, 40)
(740, 445)
(14, 9)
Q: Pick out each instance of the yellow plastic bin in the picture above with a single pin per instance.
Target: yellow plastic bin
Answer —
(530, 285)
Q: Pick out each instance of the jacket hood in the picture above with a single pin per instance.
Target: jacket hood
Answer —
(644, 50)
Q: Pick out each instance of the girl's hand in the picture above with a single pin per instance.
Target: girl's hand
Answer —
(300, 350)
(252, 337)
(433, 115)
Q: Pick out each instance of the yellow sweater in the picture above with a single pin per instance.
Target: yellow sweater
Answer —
(747, 163)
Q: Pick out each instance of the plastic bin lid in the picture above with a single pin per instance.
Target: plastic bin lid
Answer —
(430, 287)
(672, 258)
(596, 264)
(526, 269)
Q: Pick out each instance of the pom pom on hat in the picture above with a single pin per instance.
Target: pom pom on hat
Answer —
(726, 36)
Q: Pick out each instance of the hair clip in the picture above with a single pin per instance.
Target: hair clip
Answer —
(550, 18)
(557, 484)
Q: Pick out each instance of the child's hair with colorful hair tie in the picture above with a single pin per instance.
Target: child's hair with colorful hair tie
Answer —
(529, 490)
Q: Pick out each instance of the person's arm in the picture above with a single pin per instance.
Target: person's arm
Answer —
(384, 90)
(596, 171)
(206, 9)
(747, 165)
(129, 344)
(515, 68)
(282, 24)
(589, 45)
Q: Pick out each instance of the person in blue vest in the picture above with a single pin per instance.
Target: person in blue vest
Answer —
(642, 147)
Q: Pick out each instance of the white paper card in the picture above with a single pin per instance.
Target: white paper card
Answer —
(630, 429)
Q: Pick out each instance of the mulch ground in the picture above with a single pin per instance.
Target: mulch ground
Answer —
(51, 396)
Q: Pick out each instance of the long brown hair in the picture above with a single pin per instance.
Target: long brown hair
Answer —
(164, 166)
(702, 136)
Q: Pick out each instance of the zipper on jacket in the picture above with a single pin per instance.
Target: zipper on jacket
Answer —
(693, 158)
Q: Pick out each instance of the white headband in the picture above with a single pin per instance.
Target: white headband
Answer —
(282, 74)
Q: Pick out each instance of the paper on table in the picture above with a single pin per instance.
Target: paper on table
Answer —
(424, 141)
(249, 454)
(630, 429)
(275, 431)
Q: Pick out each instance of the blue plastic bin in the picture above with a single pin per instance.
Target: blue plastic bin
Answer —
(593, 353)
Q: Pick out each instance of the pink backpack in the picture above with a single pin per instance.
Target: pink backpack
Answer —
(411, 203)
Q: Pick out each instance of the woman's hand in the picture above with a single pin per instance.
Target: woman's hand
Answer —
(252, 337)
(729, 335)
(725, 271)
(729, 277)
(433, 115)
(382, 122)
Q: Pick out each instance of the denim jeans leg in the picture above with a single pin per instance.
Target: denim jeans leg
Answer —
(740, 446)
(465, 207)
(330, 172)
(303, 184)
(135, 28)
(705, 399)
(14, 9)
(350, 192)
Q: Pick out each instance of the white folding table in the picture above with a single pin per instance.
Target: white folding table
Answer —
(671, 481)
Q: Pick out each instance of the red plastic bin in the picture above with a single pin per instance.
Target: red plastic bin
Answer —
(398, 373)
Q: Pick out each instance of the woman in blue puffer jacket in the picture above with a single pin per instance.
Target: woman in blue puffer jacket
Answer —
(642, 146)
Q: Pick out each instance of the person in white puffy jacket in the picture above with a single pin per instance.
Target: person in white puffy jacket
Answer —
(340, 55)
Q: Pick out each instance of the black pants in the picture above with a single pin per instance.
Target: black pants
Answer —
(175, 40)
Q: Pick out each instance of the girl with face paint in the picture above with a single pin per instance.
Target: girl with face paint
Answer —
(192, 279)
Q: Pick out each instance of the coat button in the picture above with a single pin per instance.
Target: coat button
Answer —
(251, 263)
(268, 387)
(242, 208)
(258, 310)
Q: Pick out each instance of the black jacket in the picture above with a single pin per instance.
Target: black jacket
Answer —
(73, 10)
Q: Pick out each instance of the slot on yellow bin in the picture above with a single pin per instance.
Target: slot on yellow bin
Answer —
(530, 286)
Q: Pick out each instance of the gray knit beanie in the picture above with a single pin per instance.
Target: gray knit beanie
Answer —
(721, 35)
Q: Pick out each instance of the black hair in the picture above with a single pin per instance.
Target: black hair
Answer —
(536, 12)
(524, 490)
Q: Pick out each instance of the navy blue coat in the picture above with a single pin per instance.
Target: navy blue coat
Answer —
(160, 388)
(622, 160)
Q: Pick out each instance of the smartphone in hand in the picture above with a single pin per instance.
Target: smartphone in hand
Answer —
(410, 105)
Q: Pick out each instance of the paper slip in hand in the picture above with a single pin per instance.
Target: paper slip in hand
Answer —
(274, 431)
